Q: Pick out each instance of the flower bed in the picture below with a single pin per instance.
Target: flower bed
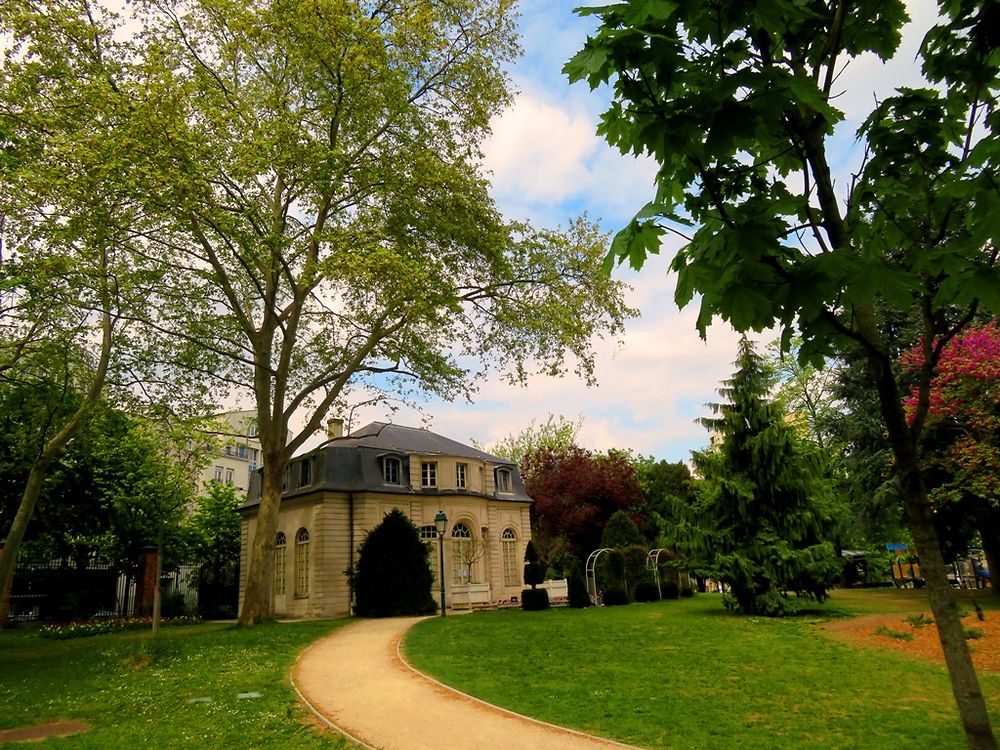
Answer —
(84, 628)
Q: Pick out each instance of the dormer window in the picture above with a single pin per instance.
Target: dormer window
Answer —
(305, 474)
(503, 480)
(391, 470)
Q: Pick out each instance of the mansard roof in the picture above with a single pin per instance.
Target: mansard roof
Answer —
(407, 440)
(353, 463)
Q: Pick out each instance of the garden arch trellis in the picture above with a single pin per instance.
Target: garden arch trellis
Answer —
(592, 574)
(653, 562)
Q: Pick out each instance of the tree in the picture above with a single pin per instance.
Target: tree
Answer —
(214, 530)
(625, 566)
(667, 491)
(393, 575)
(555, 432)
(734, 100)
(575, 493)
(762, 523)
(963, 425)
(67, 232)
(307, 183)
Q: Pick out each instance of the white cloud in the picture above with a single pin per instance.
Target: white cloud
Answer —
(538, 151)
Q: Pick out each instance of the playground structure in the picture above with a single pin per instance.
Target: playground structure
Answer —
(970, 572)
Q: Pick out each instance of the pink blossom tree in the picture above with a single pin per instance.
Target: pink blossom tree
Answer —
(963, 423)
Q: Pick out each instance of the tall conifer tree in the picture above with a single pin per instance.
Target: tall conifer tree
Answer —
(762, 521)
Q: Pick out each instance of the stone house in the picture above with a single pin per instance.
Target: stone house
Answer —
(337, 492)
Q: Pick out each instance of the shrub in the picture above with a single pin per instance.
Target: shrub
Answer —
(901, 635)
(973, 633)
(533, 573)
(918, 621)
(173, 605)
(393, 576)
(533, 600)
(687, 591)
(670, 590)
(577, 592)
(646, 591)
(615, 596)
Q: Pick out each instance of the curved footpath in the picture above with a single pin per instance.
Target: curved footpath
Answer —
(356, 681)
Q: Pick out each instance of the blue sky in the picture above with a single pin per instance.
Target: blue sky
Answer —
(548, 166)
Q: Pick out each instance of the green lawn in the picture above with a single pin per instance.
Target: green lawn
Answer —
(688, 674)
(109, 681)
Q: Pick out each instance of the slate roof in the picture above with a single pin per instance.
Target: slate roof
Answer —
(353, 464)
(394, 437)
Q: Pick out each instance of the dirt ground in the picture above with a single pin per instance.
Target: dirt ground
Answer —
(925, 643)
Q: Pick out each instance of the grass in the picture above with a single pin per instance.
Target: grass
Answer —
(901, 635)
(135, 693)
(687, 674)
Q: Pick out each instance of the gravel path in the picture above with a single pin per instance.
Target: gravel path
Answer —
(356, 682)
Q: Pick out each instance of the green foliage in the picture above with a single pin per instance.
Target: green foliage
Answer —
(534, 600)
(621, 532)
(533, 572)
(555, 432)
(762, 524)
(646, 591)
(393, 575)
(899, 635)
(918, 621)
(215, 525)
(667, 492)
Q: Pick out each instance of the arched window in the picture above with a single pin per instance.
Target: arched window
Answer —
(508, 545)
(503, 481)
(391, 470)
(302, 563)
(462, 553)
(279, 564)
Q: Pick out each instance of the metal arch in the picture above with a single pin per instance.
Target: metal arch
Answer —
(592, 574)
(653, 562)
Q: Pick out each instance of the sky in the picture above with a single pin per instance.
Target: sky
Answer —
(548, 166)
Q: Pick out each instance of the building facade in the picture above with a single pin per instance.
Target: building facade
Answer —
(238, 457)
(336, 493)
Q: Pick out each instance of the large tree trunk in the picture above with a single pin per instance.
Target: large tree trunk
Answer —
(964, 681)
(258, 598)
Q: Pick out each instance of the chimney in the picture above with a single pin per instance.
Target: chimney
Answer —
(334, 428)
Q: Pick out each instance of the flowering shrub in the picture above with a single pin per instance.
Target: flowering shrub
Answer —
(83, 628)
(964, 404)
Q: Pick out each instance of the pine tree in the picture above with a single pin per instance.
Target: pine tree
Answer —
(762, 521)
(393, 576)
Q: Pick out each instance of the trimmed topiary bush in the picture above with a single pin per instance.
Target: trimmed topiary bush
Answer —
(393, 576)
(533, 600)
(670, 589)
(533, 573)
(577, 588)
(615, 596)
(646, 591)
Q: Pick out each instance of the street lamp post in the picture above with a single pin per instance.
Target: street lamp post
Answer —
(441, 522)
